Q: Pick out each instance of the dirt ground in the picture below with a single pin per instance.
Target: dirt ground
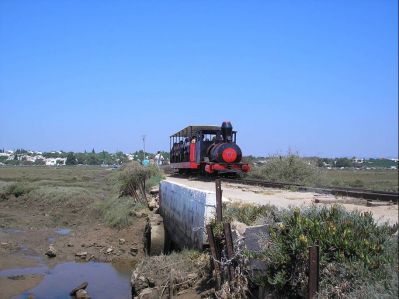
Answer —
(27, 233)
(28, 227)
(287, 198)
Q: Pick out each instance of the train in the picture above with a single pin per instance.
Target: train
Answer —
(207, 150)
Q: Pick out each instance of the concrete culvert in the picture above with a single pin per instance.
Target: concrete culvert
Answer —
(154, 236)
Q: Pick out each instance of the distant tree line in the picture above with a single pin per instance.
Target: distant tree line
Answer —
(333, 162)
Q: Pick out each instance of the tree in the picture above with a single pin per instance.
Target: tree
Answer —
(71, 159)
(121, 157)
(343, 162)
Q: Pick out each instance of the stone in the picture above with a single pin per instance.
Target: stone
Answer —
(139, 283)
(51, 252)
(82, 294)
(82, 286)
(81, 254)
(70, 245)
(256, 238)
(152, 205)
(154, 190)
(122, 241)
(109, 250)
(140, 214)
(149, 293)
(134, 251)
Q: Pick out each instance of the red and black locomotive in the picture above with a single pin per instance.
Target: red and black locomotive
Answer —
(206, 149)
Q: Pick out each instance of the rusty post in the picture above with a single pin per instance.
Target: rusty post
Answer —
(313, 271)
(214, 254)
(218, 200)
(230, 248)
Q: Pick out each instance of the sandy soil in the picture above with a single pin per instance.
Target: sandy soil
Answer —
(286, 198)
(27, 232)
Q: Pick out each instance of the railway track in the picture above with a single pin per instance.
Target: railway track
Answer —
(351, 192)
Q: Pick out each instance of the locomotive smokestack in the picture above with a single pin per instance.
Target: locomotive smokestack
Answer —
(227, 131)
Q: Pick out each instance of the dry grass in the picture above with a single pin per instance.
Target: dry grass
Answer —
(386, 180)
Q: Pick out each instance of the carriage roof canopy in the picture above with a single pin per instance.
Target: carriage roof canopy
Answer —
(193, 130)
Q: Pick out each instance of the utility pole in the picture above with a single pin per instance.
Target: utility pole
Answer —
(143, 138)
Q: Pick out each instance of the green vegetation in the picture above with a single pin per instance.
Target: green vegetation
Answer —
(117, 211)
(16, 189)
(296, 170)
(247, 213)
(385, 180)
(357, 257)
(287, 169)
(91, 191)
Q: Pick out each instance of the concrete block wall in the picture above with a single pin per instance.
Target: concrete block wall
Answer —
(185, 212)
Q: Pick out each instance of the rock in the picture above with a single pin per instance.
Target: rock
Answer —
(4, 244)
(154, 190)
(134, 251)
(51, 252)
(192, 276)
(140, 214)
(81, 254)
(152, 205)
(82, 294)
(82, 286)
(70, 245)
(109, 250)
(139, 283)
(122, 241)
(149, 293)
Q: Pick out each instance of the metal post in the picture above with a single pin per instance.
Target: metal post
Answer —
(143, 138)
(218, 200)
(229, 245)
(313, 271)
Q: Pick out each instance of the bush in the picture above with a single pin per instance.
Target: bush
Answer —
(247, 213)
(289, 169)
(134, 179)
(354, 251)
(16, 189)
(130, 183)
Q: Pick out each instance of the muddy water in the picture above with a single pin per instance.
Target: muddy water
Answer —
(105, 281)
(47, 280)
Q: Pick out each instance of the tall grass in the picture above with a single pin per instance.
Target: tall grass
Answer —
(118, 212)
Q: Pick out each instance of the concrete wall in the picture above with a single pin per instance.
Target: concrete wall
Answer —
(185, 213)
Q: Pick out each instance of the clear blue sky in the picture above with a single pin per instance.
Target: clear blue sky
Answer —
(317, 77)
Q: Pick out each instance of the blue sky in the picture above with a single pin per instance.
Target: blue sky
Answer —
(316, 77)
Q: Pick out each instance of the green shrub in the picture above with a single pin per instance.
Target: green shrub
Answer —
(155, 177)
(287, 169)
(247, 213)
(354, 250)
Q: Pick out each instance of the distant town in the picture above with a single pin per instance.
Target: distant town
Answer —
(104, 158)
(62, 158)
